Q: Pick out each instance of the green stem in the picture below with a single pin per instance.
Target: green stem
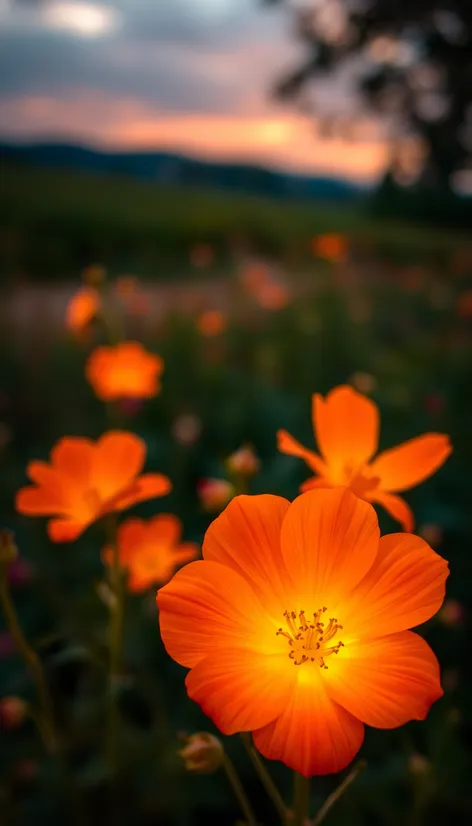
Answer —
(301, 799)
(239, 792)
(334, 797)
(265, 777)
(111, 321)
(44, 717)
(115, 647)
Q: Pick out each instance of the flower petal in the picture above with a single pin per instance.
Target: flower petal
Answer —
(404, 587)
(73, 458)
(329, 541)
(313, 483)
(147, 486)
(55, 487)
(33, 501)
(185, 552)
(287, 444)
(119, 457)
(396, 507)
(405, 466)
(346, 425)
(313, 735)
(164, 528)
(130, 536)
(385, 682)
(65, 530)
(241, 690)
(208, 608)
(246, 537)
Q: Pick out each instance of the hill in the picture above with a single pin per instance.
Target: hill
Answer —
(176, 170)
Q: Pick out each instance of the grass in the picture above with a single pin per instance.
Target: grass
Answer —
(54, 222)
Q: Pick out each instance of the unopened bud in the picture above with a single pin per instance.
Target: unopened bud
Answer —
(8, 549)
(13, 711)
(363, 382)
(203, 753)
(94, 275)
(243, 462)
(452, 613)
(215, 493)
(431, 533)
(419, 765)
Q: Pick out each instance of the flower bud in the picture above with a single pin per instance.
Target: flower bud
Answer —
(94, 275)
(363, 382)
(243, 462)
(8, 549)
(431, 533)
(186, 429)
(419, 765)
(13, 711)
(452, 613)
(203, 753)
(214, 494)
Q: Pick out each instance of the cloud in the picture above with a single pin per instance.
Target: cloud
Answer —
(193, 75)
(155, 55)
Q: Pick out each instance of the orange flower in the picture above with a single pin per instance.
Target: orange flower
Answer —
(86, 480)
(294, 626)
(211, 323)
(331, 246)
(82, 308)
(273, 296)
(255, 276)
(346, 425)
(126, 370)
(151, 550)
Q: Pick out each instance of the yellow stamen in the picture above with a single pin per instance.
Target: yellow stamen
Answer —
(307, 642)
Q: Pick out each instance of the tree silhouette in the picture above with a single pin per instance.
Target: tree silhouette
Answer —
(413, 68)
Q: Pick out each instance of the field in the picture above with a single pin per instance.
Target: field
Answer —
(54, 222)
(384, 308)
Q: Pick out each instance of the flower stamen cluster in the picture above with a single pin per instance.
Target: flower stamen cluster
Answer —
(308, 640)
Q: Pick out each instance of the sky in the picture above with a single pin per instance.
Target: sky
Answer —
(188, 76)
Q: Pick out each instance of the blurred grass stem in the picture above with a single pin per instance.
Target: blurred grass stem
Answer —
(301, 799)
(334, 797)
(116, 607)
(239, 792)
(265, 777)
(44, 716)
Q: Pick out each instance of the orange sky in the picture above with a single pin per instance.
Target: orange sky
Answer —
(282, 139)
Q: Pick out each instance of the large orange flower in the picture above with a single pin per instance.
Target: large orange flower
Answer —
(86, 480)
(295, 623)
(151, 550)
(346, 426)
(126, 370)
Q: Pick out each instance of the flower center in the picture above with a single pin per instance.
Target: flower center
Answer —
(310, 640)
(358, 479)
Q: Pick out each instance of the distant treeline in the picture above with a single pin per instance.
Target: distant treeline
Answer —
(422, 204)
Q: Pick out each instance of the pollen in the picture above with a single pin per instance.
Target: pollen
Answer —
(310, 640)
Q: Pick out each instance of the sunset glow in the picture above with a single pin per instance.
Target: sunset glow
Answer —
(281, 140)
